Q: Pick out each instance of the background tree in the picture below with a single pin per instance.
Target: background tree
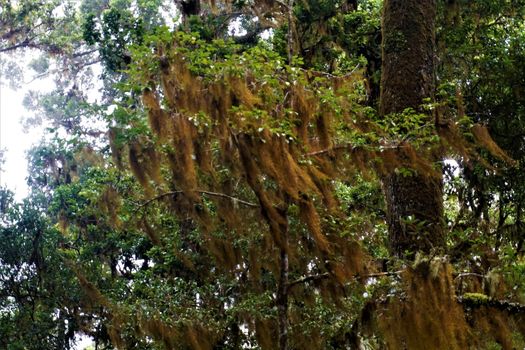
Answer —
(40, 302)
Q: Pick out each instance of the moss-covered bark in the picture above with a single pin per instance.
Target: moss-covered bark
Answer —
(425, 315)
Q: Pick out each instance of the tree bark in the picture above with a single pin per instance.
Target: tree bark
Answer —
(282, 292)
(414, 202)
(187, 9)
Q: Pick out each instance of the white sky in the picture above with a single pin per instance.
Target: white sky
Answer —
(13, 139)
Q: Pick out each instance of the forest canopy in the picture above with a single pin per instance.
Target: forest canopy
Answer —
(313, 174)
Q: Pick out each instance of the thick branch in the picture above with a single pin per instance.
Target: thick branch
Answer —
(24, 43)
(84, 53)
(475, 300)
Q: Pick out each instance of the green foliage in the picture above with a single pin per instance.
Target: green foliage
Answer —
(92, 250)
(39, 295)
(119, 29)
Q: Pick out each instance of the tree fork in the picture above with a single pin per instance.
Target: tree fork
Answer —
(414, 202)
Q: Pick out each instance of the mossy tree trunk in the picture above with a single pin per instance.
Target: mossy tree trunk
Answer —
(282, 293)
(414, 202)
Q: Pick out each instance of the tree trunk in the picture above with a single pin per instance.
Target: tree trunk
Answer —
(414, 202)
(282, 292)
(187, 9)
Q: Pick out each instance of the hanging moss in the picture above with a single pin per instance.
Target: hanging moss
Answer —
(276, 140)
(429, 311)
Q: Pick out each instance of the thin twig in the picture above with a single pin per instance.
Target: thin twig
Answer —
(468, 274)
(156, 198)
(308, 279)
(209, 193)
(60, 70)
(330, 75)
(234, 199)
(326, 150)
(321, 276)
(350, 146)
(382, 274)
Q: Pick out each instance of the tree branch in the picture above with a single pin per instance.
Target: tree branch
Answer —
(350, 146)
(78, 67)
(83, 53)
(308, 279)
(234, 199)
(334, 148)
(475, 300)
(24, 43)
(321, 276)
(468, 274)
(251, 36)
(330, 75)
(381, 274)
(209, 193)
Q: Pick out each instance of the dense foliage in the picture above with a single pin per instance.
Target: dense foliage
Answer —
(215, 176)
